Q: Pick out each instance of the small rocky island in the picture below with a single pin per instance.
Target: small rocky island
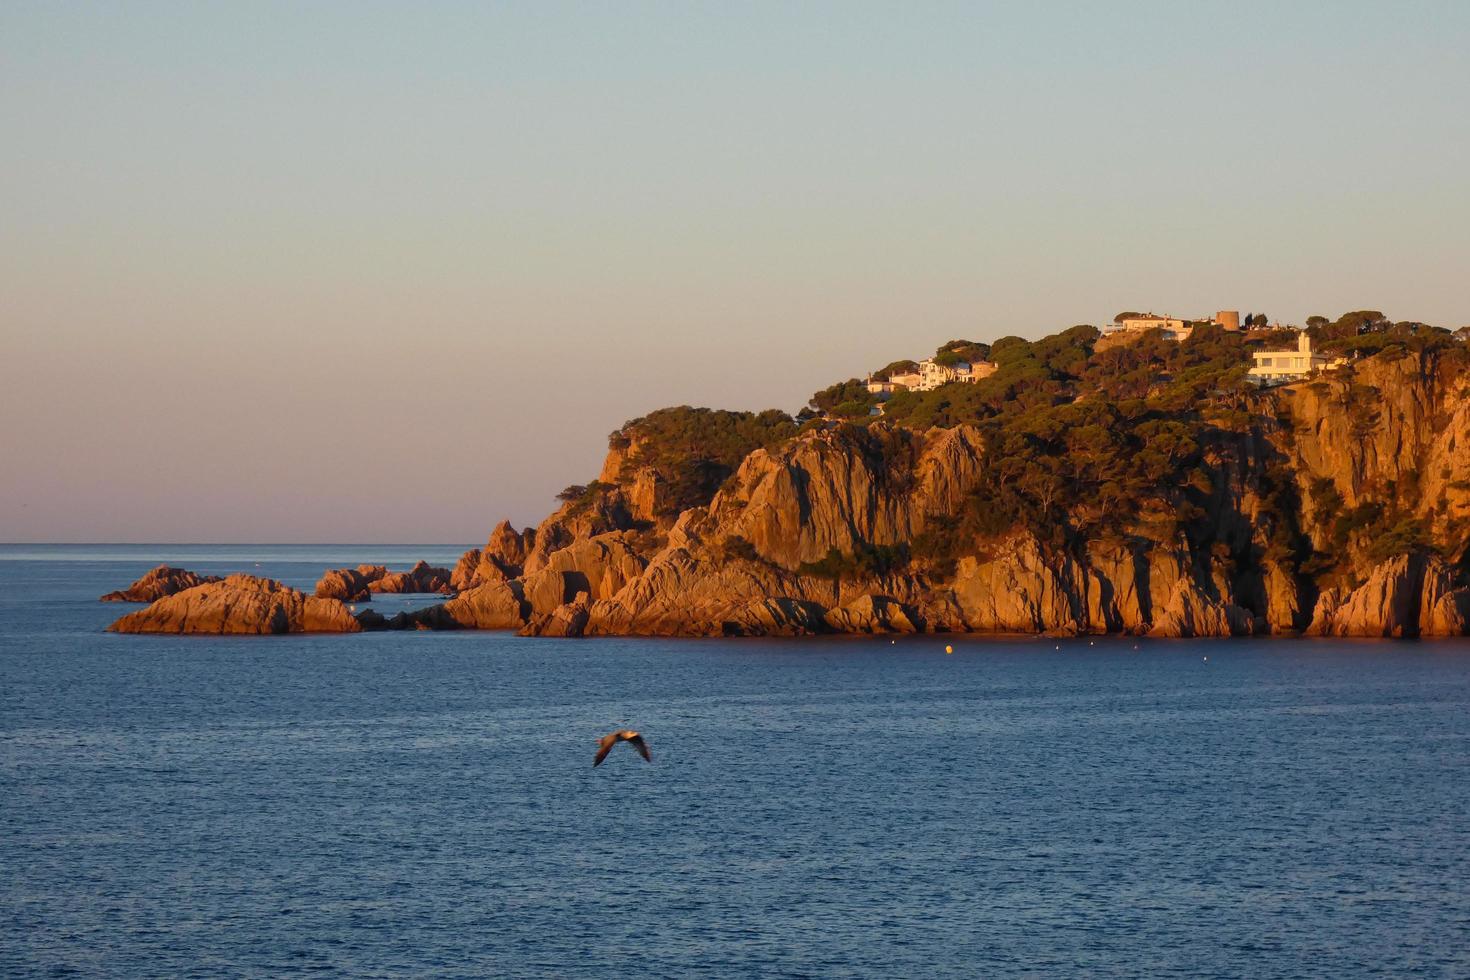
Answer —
(240, 604)
(1150, 481)
(161, 581)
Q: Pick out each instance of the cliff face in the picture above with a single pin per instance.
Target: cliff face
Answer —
(1395, 429)
(1341, 508)
(1408, 596)
(829, 490)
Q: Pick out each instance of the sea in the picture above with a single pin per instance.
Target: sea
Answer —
(424, 804)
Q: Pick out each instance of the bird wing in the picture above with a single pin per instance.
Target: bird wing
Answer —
(604, 747)
(637, 742)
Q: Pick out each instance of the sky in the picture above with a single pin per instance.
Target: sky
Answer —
(360, 272)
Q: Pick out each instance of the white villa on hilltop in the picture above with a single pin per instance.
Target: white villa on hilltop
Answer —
(931, 375)
(1279, 366)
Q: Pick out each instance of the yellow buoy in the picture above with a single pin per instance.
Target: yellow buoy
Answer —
(948, 648)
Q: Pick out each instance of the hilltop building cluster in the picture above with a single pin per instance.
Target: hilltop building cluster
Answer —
(1271, 367)
(930, 375)
(1280, 354)
(1131, 325)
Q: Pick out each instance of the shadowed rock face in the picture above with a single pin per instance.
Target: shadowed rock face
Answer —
(241, 604)
(159, 582)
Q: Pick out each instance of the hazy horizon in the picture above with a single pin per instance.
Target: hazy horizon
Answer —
(369, 272)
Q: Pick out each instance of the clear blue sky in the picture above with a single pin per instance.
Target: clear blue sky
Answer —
(350, 271)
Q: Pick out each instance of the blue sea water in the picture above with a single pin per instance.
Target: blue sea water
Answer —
(423, 804)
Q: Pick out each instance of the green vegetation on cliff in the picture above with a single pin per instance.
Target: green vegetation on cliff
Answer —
(1146, 441)
(694, 450)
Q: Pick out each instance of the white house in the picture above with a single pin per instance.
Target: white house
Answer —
(1276, 366)
(930, 376)
(933, 374)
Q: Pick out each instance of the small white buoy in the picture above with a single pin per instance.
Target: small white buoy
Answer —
(1207, 660)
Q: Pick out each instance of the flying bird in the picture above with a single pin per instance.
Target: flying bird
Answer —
(626, 735)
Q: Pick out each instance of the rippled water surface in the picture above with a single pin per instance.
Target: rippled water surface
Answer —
(424, 803)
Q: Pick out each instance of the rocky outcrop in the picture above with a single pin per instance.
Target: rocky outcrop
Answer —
(349, 584)
(472, 569)
(1018, 591)
(1445, 611)
(508, 548)
(567, 619)
(422, 577)
(503, 557)
(774, 616)
(161, 581)
(599, 566)
(358, 584)
(1408, 596)
(823, 492)
(493, 605)
(240, 604)
(1189, 611)
(874, 614)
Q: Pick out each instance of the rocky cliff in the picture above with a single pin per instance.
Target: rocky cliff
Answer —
(1338, 506)
(1145, 488)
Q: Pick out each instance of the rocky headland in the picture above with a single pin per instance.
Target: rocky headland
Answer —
(1146, 488)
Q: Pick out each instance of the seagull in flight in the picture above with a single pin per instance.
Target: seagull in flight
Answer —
(626, 735)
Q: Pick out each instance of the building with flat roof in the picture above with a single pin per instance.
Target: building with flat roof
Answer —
(1279, 366)
(1174, 328)
(931, 375)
